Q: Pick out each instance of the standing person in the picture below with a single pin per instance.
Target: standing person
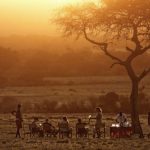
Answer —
(98, 123)
(19, 120)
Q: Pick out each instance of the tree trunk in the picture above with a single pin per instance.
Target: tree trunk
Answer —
(137, 129)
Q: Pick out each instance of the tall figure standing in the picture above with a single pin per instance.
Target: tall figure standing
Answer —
(98, 122)
(19, 120)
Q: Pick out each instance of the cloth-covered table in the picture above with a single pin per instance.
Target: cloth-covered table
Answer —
(120, 131)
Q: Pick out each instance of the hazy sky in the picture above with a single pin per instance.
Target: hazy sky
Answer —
(28, 16)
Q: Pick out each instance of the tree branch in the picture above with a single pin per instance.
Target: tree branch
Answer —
(144, 73)
(92, 41)
(146, 49)
(129, 49)
(111, 56)
(136, 53)
(116, 63)
(135, 38)
(103, 47)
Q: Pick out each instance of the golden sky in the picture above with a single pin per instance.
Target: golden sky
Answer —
(29, 16)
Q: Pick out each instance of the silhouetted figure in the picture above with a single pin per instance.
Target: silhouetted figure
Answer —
(47, 123)
(49, 128)
(64, 128)
(121, 118)
(19, 120)
(98, 117)
(34, 127)
(81, 129)
(149, 118)
(98, 123)
(65, 121)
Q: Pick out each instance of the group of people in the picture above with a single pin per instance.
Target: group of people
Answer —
(64, 123)
(40, 129)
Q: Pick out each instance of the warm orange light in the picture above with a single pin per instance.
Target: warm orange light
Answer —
(30, 16)
(64, 2)
(60, 3)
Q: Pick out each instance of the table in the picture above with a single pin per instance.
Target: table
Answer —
(120, 131)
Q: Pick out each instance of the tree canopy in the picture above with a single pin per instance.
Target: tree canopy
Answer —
(109, 22)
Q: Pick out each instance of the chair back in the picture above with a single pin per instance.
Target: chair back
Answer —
(46, 127)
(63, 126)
(103, 125)
(80, 126)
(30, 127)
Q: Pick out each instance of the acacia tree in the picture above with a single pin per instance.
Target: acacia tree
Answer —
(105, 24)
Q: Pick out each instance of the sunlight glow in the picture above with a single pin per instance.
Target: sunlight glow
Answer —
(63, 2)
(60, 3)
(30, 16)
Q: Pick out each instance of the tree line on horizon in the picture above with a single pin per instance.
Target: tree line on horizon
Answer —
(110, 102)
(30, 68)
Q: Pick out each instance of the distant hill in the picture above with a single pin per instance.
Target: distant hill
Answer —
(27, 60)
(38, 42)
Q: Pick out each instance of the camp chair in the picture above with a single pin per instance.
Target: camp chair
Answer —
(81, 130)
(101, 132)
(49, 130)
(33, 131)
(64, 130)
